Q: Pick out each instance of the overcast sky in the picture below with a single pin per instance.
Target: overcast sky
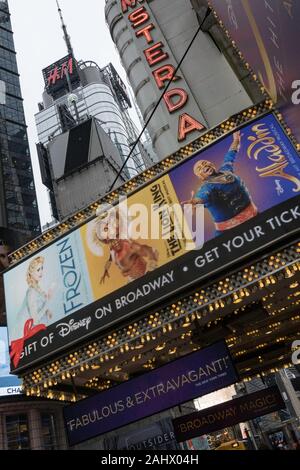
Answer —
(39, 42)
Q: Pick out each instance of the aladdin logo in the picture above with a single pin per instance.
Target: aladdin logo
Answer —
(71, 277)
(264, 146)
(66, 328)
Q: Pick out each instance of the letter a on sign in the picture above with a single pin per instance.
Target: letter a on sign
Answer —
(188, 124)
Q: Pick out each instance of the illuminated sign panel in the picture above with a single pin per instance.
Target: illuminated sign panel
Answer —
(80, 285)
(56, 75)
(9, 384)
(192, 376)
(228, 414)
(267, 33)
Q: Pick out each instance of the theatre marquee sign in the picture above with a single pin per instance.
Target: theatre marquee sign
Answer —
(163, 65)
(63, 294)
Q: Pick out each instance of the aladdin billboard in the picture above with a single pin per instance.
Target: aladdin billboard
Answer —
(267, 33)
(179, 381)
(248, 186)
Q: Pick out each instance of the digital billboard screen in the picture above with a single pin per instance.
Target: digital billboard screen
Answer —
(9, 384)
(179, 381)
(57, 75)
(267, 32)
(83, 282)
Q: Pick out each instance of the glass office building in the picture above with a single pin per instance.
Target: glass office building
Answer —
(18, 204)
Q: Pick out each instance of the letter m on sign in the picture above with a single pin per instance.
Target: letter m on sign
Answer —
(129, 3)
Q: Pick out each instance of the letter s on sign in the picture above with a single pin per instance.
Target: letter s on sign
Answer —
(296, 94)
(296, 354)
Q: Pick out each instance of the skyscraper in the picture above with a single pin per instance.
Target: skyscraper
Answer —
(25, 424)
(18, 204)
(76, 92)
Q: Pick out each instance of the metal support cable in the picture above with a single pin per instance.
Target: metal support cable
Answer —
(161, 97)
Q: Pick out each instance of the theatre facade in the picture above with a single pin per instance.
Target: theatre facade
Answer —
(241, 288)
(216, 306)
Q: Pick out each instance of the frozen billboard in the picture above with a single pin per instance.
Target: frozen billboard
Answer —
(82, 283)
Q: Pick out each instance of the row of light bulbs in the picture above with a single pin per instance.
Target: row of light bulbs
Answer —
(128, 187)
(121, 343)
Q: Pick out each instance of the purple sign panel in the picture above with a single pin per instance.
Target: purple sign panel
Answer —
(182, 380)
(267, 33)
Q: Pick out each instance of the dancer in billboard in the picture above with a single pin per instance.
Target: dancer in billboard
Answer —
(132, 258)
(223, 192)
(35, 304)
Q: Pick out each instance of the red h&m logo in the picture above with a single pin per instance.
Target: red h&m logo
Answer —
(60, 71)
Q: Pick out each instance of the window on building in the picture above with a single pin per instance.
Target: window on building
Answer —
(17, 432)
(48, 431)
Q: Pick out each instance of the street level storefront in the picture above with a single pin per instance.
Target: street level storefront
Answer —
(31, 424)
(247, 296)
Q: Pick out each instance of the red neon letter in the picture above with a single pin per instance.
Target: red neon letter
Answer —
(138, 17)
(172, 104)
(155, 54)
(146, 32)
(188, 124)
(129, 3)
(164, 74)
(53, 76)
(67, 67)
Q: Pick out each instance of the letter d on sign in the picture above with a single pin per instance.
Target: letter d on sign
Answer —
(175, 99)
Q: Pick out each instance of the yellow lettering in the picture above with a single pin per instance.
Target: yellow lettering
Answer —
(263, 142)
(278, 172)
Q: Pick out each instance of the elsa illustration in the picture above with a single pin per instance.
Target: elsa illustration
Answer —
(35, 304)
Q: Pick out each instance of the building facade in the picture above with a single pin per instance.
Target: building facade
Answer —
(31, 424)
(152, 37)
(79, 166)
(87, 93)
(124, 339)
(95, 97)
(18, 204)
